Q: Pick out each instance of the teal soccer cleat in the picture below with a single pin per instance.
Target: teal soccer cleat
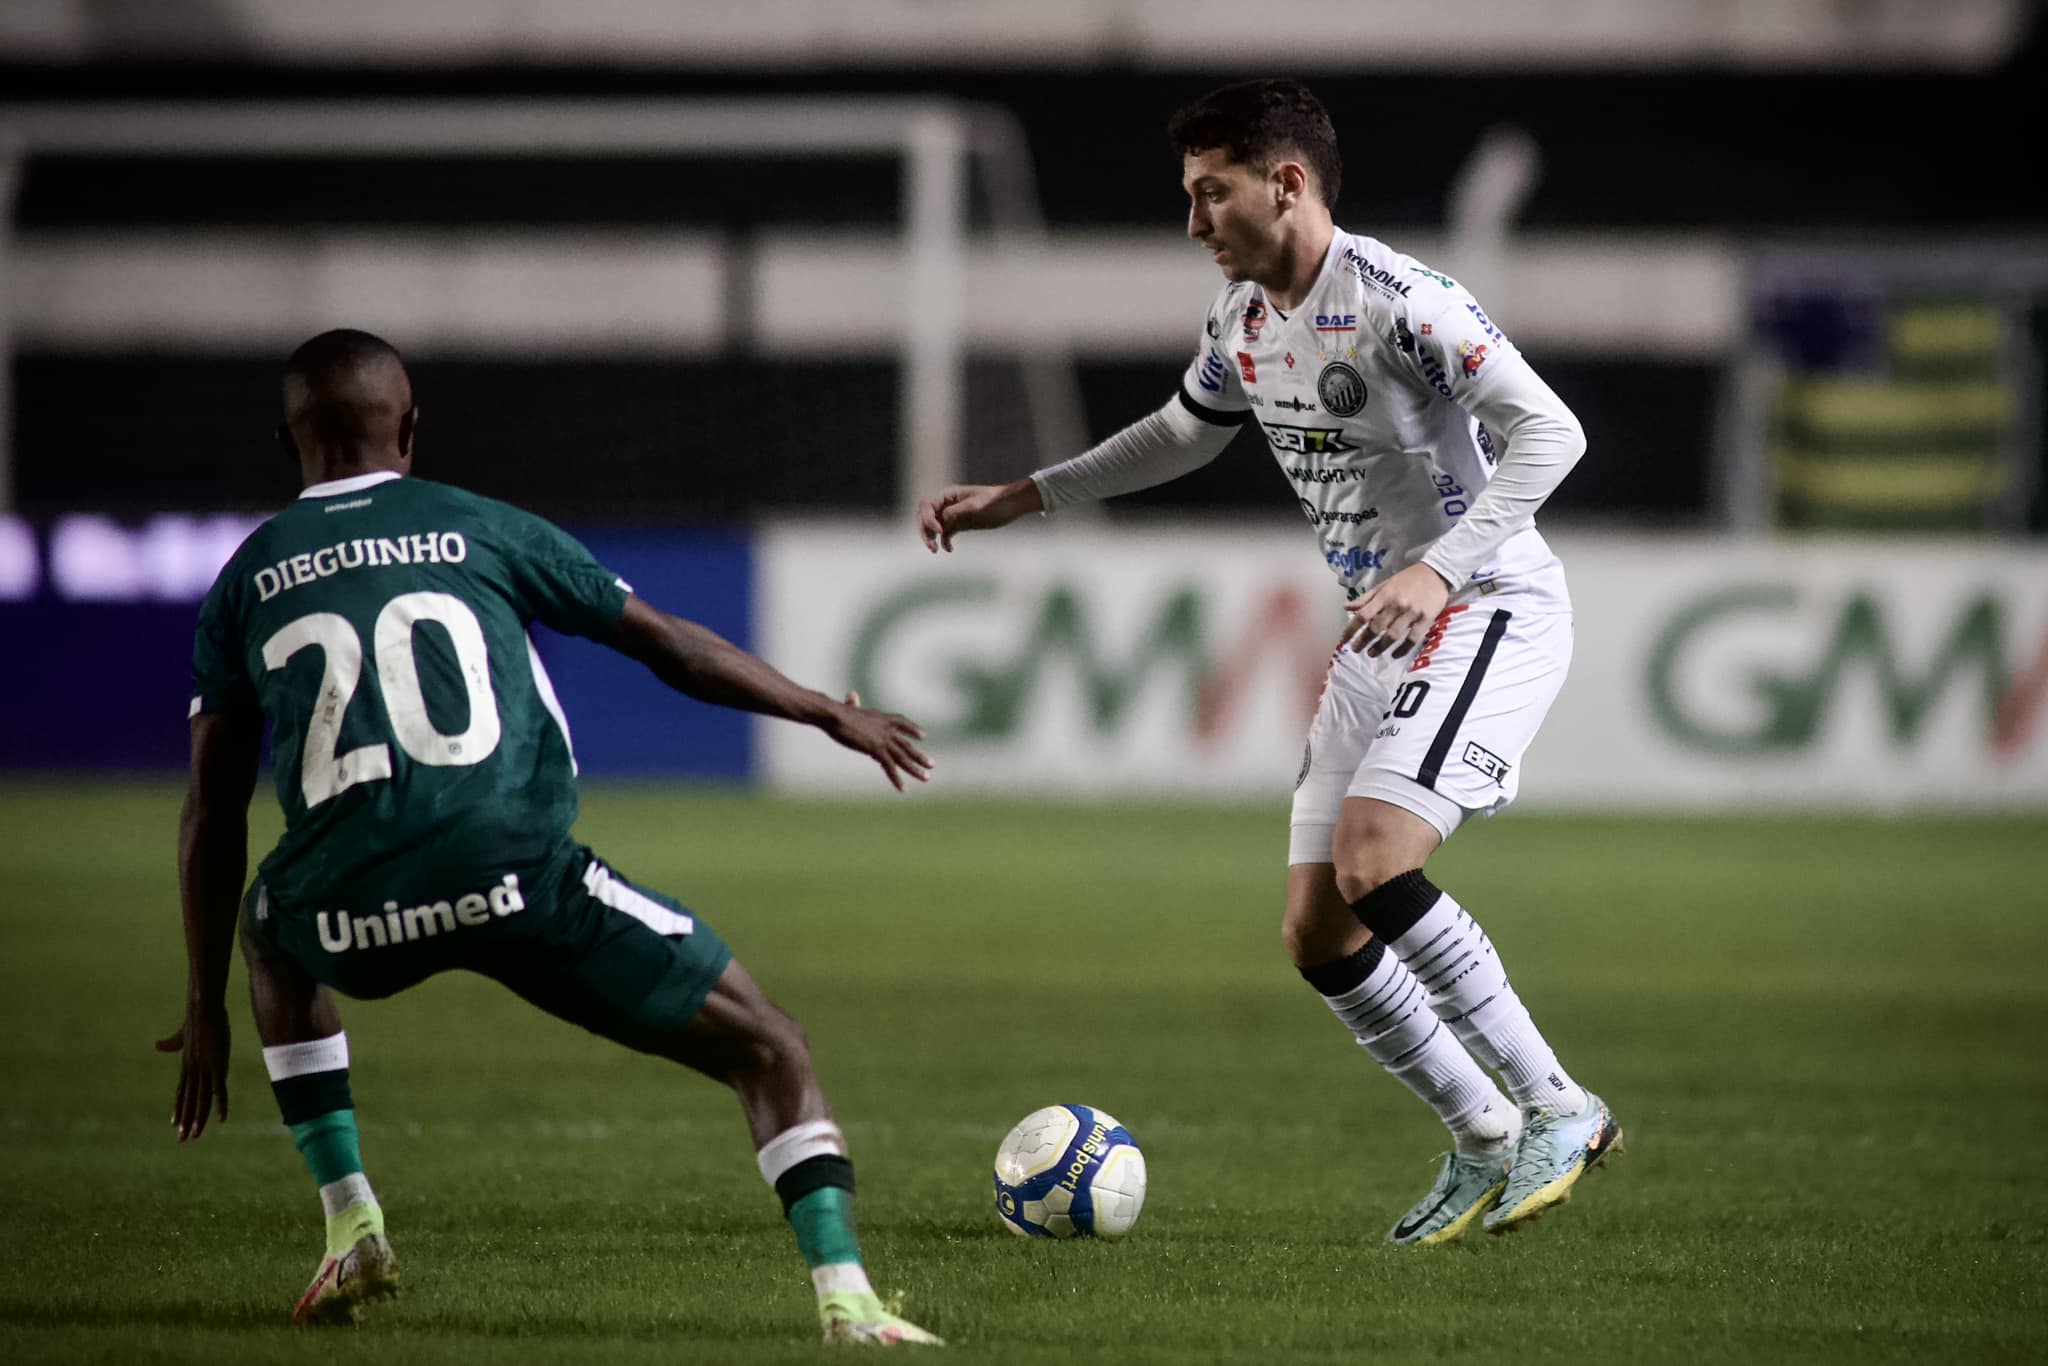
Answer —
(1465, 1189)
(1555, 1151)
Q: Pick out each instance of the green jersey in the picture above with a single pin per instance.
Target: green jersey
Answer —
(380, 626)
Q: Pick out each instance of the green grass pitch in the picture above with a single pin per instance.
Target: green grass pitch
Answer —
(1828, 1041)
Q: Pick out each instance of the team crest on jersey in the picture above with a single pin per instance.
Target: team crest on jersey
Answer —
(1213, 328)
(1254, 320)
(1342, 390)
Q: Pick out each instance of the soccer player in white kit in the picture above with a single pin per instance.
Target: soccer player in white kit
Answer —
(1420, 444)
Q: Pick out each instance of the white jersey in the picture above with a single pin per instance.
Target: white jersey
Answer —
(1366, 395)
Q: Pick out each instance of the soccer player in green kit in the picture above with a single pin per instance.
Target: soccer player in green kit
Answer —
(379, 626)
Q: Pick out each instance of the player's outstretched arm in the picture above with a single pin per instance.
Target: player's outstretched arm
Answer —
(975, 507)
(1156, 448)
(213, 858)
(700, 663)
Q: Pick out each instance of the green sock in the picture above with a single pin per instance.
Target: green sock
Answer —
(823, 1221)
(330, 1146)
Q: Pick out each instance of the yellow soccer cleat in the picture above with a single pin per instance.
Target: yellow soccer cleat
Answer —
(862, 1319)
(361, 1273)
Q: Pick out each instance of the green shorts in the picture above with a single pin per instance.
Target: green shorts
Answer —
(566, 932)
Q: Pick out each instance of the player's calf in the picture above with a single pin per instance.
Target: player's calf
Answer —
(746, 1041)
(310, 1081)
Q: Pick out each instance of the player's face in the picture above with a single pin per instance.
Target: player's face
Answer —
(1232, 211)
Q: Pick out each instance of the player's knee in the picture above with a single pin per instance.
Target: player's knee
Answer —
(1298, 935)
(1367, 867)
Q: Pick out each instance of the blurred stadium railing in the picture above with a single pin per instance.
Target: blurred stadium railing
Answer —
(724, 365)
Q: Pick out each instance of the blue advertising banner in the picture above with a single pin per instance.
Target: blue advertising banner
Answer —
(623, 720)
(96, 621)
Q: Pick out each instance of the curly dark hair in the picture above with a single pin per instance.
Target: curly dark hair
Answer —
(1259, 122)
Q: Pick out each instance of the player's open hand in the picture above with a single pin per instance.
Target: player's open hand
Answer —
(883, 736)
(1395, 613)
(202, 1043)
(974, 507)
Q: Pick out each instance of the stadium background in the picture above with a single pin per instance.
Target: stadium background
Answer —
(1788, 262)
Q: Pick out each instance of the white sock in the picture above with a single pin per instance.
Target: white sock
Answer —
(1468, 990)
(1387, 1014)
(836, 1277)
(353, 1189)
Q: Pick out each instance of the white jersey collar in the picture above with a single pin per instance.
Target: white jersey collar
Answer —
(354, 483)
(1330, 254)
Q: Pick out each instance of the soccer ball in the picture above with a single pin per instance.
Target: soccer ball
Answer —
(1069, 1171)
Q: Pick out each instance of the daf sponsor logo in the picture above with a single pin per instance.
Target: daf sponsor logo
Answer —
(1306, 440)
(341, 932)
(1385, 281)
(1336, 322)
(1211, 376)
(1353, 560)
(1342, 390)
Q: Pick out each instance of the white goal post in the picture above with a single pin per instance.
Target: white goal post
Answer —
(936, 140)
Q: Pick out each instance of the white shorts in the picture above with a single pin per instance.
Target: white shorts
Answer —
(1441, 732)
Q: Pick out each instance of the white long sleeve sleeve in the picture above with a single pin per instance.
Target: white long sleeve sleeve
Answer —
(1156, 448)
(1541, 441)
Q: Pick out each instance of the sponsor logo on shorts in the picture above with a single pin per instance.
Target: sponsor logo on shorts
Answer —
(1487, 762)
(1435, 638)
(341, 932)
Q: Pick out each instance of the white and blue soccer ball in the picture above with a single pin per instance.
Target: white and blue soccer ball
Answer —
(1069, 1171)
